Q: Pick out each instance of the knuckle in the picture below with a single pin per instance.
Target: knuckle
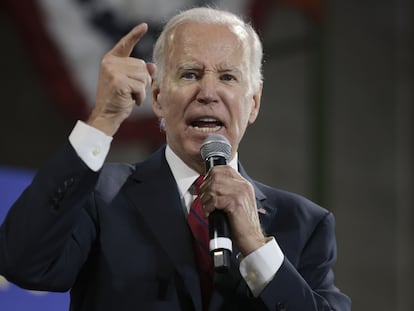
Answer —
(247, 187)
(118, 82)
(141, 63)
(107, 61)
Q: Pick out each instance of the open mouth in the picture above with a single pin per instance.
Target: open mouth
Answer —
(207, 125)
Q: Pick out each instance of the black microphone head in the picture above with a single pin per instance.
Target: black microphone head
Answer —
(215, 146)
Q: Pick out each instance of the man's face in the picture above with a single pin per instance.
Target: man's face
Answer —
(205, 90)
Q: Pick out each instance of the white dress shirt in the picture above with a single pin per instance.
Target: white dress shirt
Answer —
(258, 268)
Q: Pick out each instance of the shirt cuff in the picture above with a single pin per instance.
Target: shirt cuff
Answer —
(259, 267)
(91, 145)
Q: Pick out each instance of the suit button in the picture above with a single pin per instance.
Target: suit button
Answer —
(281, 307)
(54, 203)
(59, 193)
(68, 183)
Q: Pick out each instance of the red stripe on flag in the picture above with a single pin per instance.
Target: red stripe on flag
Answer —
(48, 62)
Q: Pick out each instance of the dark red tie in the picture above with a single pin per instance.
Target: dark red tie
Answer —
(199, 227)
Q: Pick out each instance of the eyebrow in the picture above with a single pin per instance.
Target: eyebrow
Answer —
(231, 69)
(189, 67)
(198, 67)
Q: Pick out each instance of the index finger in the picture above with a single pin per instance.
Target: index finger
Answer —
(127, 43)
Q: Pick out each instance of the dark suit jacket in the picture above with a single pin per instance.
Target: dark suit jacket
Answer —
(118, 239)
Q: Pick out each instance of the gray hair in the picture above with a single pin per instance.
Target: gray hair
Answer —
(209, 15)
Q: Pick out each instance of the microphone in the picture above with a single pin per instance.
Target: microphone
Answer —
(216, 150)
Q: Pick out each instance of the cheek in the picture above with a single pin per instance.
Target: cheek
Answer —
(244, 109)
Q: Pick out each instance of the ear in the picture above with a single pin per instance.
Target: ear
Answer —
(255, 104)
(156, 101)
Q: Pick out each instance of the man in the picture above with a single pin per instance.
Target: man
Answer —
(117, 235)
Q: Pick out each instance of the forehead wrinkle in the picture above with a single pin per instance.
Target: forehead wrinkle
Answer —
(223, 67)
(187, 47)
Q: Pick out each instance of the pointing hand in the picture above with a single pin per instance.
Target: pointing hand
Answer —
(123, 81)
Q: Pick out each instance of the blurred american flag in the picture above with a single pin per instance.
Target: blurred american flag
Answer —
(67, 39)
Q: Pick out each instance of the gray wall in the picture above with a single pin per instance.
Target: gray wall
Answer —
(355, 158)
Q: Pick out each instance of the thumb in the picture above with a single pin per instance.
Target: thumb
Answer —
(127, 43)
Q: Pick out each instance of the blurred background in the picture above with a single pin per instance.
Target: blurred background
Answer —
(336, 122)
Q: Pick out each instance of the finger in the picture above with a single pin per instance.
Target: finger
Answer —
(133, 68)
(138, 93)
(142, 78)
(151, 68)
(137, 69)
(125, 46)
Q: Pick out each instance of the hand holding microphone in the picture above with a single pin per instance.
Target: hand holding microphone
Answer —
(230, 201)
(216, 150)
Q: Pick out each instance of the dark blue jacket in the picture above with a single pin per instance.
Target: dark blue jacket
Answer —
(118, 239)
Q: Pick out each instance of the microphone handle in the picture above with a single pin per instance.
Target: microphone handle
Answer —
(220, 242)
(219, 229)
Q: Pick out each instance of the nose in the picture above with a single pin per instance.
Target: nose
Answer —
(207, 92)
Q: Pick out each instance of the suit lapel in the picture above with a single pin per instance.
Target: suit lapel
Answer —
(266, 211)
(162, 211)
(150, 191)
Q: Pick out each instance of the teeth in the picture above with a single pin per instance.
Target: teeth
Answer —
(209, 120)
(207, 129)
(207, 125)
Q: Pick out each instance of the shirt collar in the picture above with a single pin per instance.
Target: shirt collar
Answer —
(183, 174)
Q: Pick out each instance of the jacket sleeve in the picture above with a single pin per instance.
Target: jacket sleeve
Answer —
(39, 244)
(310, 285)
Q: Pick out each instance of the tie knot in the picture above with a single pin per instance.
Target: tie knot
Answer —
(198, 182)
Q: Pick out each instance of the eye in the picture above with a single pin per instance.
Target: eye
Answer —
(189, 75)
(228, 77)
